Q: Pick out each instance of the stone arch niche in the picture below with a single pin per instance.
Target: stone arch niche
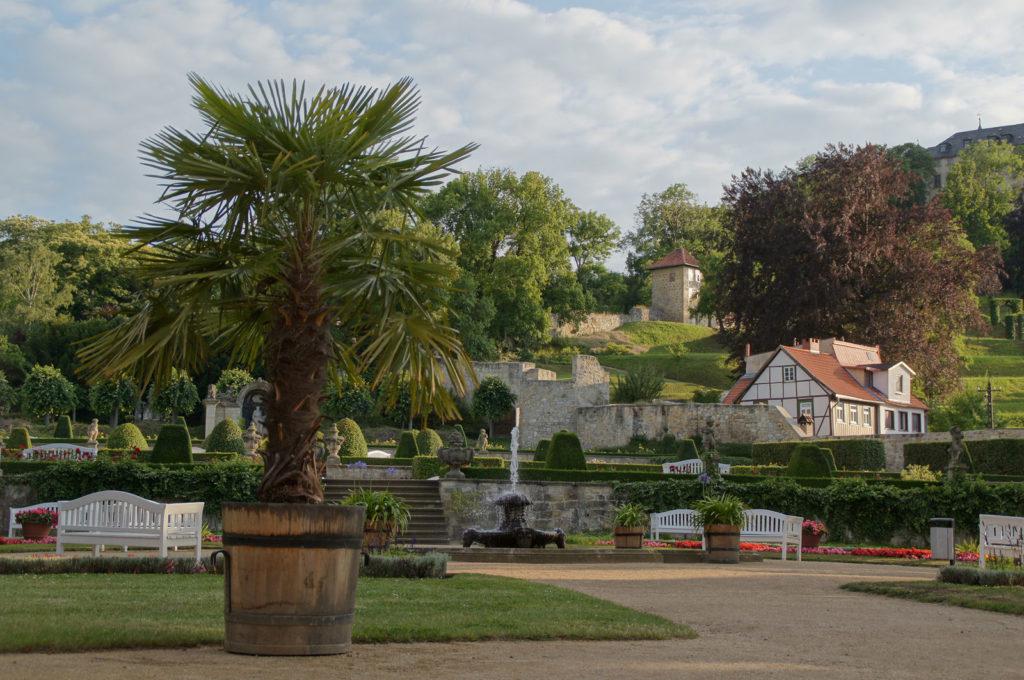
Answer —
(239, 407)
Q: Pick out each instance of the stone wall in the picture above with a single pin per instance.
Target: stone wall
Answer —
(572, 507)
(613, 425)
(546, 404)
(598, 322)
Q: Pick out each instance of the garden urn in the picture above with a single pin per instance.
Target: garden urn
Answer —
(456, 458)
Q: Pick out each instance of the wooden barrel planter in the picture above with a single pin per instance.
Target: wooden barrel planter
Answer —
(629, 537)
(722, 543)
(290, 577)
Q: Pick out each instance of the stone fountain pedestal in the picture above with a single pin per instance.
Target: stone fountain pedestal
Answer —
(512, 532)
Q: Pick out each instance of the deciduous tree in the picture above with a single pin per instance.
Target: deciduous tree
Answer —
(837, 250)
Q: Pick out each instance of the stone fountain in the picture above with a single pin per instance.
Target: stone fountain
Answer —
(512, 531)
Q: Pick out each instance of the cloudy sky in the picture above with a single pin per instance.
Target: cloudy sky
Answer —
(611, 99)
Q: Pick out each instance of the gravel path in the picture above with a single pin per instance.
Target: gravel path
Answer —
(758, 620)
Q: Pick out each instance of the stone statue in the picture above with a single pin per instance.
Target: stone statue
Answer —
(707, 435)
(259, 420)
(93, 433)
(957, 450)
(211, 391)
(481, 440)
(710, 446)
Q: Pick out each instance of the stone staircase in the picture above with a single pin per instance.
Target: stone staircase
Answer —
(426, 526)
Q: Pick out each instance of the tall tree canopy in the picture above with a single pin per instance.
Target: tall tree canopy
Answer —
(816, 254)
(283, 248)
(512, 232)
(916, 160)
(981, 189)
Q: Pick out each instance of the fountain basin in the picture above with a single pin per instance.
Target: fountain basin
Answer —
(512, 531)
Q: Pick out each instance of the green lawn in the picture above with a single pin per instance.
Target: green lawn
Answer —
(1003, 599)
(73, 612)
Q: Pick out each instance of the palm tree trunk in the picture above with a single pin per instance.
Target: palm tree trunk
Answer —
(298, 348)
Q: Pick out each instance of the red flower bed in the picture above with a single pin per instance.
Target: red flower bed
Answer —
(22, 541)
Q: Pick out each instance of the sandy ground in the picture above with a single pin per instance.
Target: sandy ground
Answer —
(758, 620)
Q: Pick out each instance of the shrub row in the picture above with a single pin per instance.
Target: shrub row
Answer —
(989, 456)
(427, 565)
(849, 454)
(425, 467)
(855, 508)
(212, 484)
(970, 576)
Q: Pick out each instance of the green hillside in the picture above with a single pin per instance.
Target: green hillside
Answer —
(691, 358)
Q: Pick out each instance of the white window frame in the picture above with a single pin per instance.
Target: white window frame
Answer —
(800, 411)
(788, 373)
(840, 411)
(866, 420)
(903, 421)
(899, 384)
(854, 415)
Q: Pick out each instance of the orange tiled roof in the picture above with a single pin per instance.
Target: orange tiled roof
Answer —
(679, 257)
(733, 394)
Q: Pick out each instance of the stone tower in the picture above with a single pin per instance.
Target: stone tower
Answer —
(675, 282)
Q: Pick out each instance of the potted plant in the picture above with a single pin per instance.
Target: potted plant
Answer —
(630, 520)
(722, 518)
(37, 523)
(813, 533)
(387, 515)
(288, 239)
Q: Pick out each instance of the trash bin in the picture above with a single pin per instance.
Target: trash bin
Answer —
(942, 529)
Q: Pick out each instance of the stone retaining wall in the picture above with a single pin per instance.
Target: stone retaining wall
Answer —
(570, 506)
(13, 496)
(894, 442)
(615, 424)
(598, 322)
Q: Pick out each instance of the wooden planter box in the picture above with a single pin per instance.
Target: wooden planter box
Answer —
(629, 537)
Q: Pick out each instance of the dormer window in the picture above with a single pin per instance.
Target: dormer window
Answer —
(899, 385)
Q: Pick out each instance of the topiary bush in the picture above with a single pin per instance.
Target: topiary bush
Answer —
(19, 439)
(428, 442)
(407, 447)
(226, 436)
(565, 452)
(809, 460)
(63, 429)
(542, 451)
(354, 443)
(173, 445)
(127, 436)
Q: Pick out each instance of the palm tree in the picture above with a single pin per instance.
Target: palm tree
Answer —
(293, 241)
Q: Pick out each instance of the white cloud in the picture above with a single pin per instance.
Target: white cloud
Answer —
(610, 104)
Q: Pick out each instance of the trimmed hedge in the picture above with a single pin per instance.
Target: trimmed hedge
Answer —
(848, 453)
(989, 456)
(425, 467)
(127, 436)
(173, 445)
(19, 439)
(215, 457)
(407, 447)
(565, 452)
(63, 429)
(226, 436)
(668, 445)
(354, 443)
(971, 576)
(855, 508)
(428, 442)
(212, 484)
(428, 565)
(809, 460)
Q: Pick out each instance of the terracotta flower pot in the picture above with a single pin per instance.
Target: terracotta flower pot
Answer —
(629, 537)
(377, 539)
(35, 530)
(811, 539)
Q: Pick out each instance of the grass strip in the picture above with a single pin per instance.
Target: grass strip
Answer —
(75, 612)
(1002, 599)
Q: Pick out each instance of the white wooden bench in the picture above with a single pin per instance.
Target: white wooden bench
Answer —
(760, 526)
(691, 466)
(119, 518)
(1000, 535)
(13, 523)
